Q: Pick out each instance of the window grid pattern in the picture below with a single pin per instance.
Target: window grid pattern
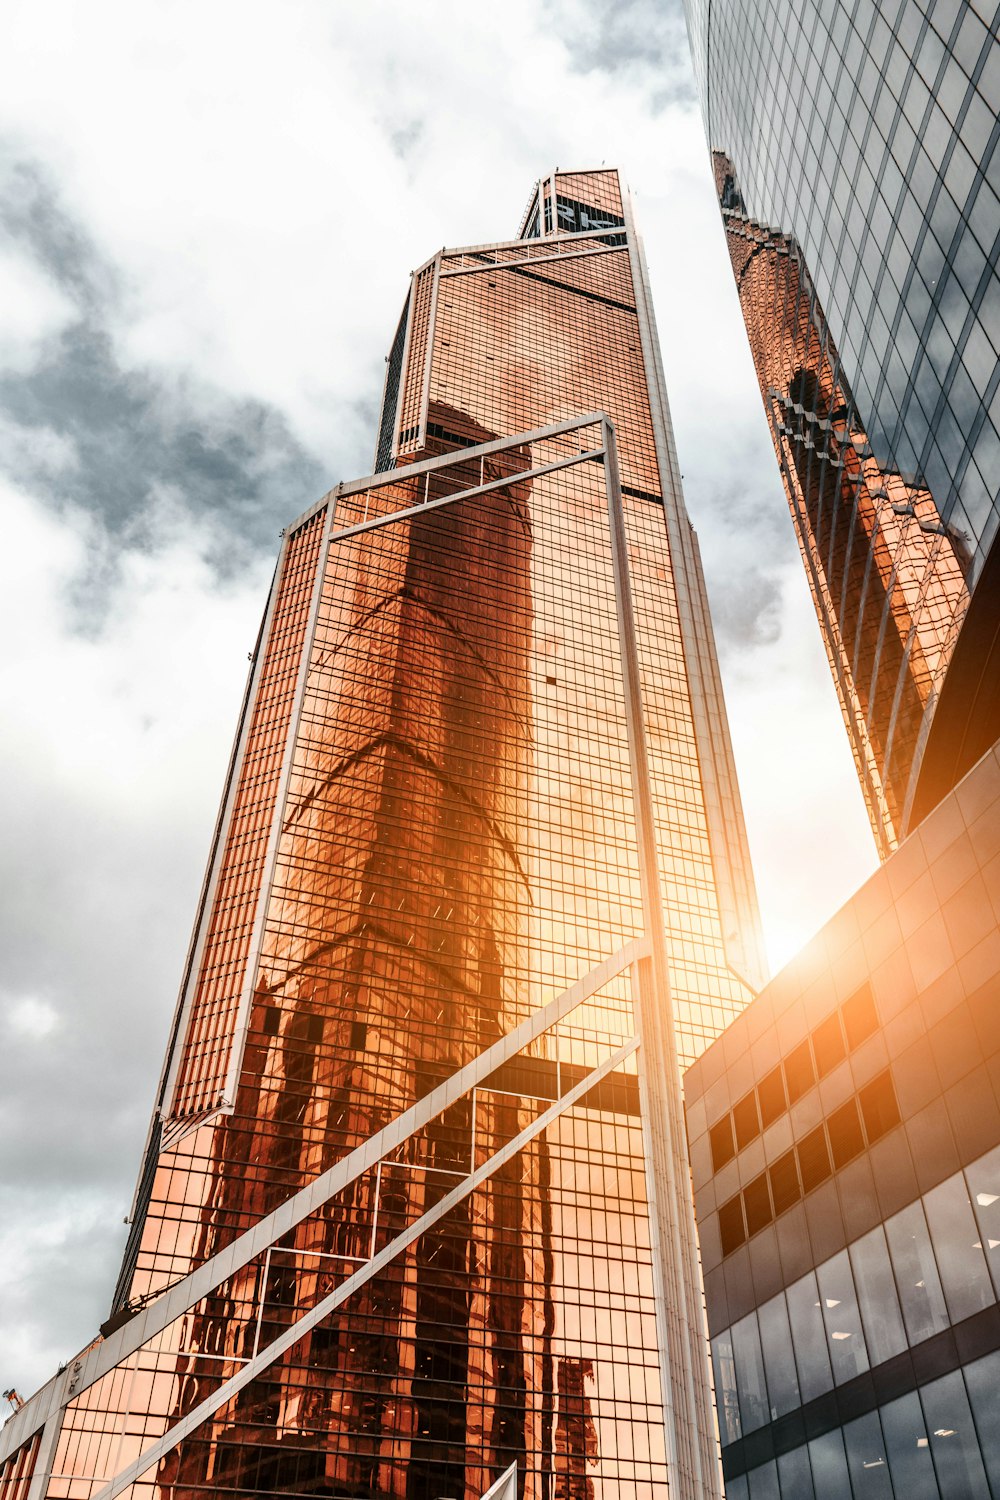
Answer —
(856, 150)
(930, 1266)
(210, 1013)
(457, 846)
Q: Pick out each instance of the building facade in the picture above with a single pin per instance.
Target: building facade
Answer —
(415, 1208)
(856, 152)
(845, 1147)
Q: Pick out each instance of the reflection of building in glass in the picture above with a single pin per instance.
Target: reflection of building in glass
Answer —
(416, 1205)
(855, 154)
(847, 1184)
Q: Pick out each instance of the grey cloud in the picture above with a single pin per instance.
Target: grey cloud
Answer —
(137, 433)
(645, 39)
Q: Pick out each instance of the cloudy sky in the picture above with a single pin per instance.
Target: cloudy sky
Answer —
(210, 212)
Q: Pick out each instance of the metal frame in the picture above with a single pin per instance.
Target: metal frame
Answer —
(692, 1453)
(210, 884)
(45, 1407)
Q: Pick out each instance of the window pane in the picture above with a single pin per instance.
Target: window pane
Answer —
(764, 1483)
(846, 1139)
(721, 1137)
(737, 1489)
(924, 1312)
(809, 1338)
(794, 1476)
(771, 1096)
(757, 1204)
(726, 1399)
(876, 1287)
(750, 1374)
(731, 1230)
(746, 1121)
(829, 1467)
(879, 1107)
(982, 1382)
(907, 1448)
(828, 1045)
(814, 1159)
(799, 1074)
(859, 1016)
(983, 1178)
(779, 1359)
(953, 1439)
(866, 1460)
(848, 1351)
(785, 1189)
(955, 1237)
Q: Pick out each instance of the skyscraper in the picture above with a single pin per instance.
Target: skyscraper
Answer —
(415, 1208)
(855, 152)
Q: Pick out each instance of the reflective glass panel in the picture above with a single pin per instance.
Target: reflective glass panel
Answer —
(842, 1317)
(907, 1447)
(828, 1462)
(876, 1289)
(866, 1460)
(809, 1337)
(982, 1382)
(779, 1358)
(983, 1179)
(764, 1483)
(794, 1474)
(953, 1440)
(924, 1311)
(726, 1398)
(958, 1249)
(750, 1381)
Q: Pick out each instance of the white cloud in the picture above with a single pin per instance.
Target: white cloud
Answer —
(33, 309)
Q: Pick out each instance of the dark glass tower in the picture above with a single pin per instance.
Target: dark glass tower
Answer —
(857, 157)
(416, 1208)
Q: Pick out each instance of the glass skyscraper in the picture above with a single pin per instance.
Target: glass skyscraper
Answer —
(415, 1210)
(857, 155)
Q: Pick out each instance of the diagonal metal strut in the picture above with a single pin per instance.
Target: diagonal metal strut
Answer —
(330, 1303)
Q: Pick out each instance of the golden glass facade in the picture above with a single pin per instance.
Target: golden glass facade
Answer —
(417, 1206)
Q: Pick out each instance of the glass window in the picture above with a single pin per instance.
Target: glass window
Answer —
(846, 1138)
(953, 1440)
(771, 1097)
(878, 1106)
(876, 1285)
(848, 1350)
(732, 1231)
(809, 1337)
(746, 1121)
(726, 1399)
(924, 1311)
(829, 1467)
(750, 1383)
(723, 1147)
(866, 1460)
(983, 1179)
(799, 1075)
(785, 1189)
(737, 1488)
(757, 1204)
(764, 1482)
(907, 1448)
(814, 1159)
(955, 1237)
(982, 1382)
(828, 1045)
(859, 1016)
(794, 1476)
(779, 1358)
